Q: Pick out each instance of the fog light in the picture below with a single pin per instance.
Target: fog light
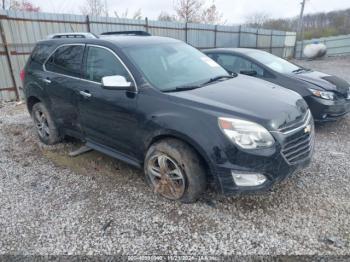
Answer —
(248, 179)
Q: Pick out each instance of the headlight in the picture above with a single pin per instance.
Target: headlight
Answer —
(246, 134)
(323, 94)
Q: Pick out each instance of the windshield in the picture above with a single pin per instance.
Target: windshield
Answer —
(274, 62)
(171, 65)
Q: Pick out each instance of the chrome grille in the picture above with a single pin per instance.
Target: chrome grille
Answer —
(299, 124)
(299, 145)
(298, 149)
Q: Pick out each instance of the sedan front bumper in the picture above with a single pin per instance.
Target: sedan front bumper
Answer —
(327, 110)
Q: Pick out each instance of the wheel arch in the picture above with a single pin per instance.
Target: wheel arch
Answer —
(31, 101)
(195, 146)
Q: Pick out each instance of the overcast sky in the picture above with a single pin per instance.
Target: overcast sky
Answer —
(234, 11)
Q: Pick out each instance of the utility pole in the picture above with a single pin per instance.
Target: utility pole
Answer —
(106, 8)
(300, 29)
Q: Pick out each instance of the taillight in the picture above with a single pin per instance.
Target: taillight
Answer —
(22, 74)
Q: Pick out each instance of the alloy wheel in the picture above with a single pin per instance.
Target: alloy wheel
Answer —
(41, 123)
(166, 176)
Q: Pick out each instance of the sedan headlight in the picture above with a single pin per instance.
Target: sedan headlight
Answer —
(246, 134)
(322, 94)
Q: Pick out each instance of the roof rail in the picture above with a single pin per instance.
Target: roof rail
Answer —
(141, 33)
(72, 35)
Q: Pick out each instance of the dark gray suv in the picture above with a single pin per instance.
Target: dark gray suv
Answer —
(161, 105)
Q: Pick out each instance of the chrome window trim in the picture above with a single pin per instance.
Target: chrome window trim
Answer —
(83, 79)
(121, 61)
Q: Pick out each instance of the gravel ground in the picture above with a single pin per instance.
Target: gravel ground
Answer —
(92, 204)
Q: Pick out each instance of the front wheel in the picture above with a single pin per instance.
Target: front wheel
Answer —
(174, 170)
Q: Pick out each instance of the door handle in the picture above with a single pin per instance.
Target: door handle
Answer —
(85, 94)
(47, 80)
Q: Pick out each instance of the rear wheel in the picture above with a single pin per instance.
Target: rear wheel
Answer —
(45, 126)
(174, 170)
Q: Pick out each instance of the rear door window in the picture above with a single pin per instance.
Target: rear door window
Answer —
(41, 53)
(236, 64)
(227, 61)
(101, 62)
(242, 64)
(66, 60)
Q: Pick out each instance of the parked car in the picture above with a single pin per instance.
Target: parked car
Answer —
(160, 104)
(327, 96)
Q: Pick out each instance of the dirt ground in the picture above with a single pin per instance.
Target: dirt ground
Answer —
(51, 203)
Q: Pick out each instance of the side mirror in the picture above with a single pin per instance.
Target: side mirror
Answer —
(249, 72)
(116, 82)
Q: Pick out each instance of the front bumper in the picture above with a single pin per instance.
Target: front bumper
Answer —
(291, 153)
(327, 110)
(275, 171)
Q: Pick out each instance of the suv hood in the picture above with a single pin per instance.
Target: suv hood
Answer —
(324, 81)
(248, 98)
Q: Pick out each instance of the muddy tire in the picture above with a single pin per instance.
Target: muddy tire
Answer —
(175, 171)
(45, 126)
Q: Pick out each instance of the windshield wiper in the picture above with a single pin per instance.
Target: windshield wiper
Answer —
(190, 87)
(182, 88)
(299, 70)
(217, 78)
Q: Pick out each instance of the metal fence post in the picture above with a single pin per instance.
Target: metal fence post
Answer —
(271, 39)
(301, 49)
(186, 32)
(88, 23)
(257, 38)
(8, 58)
(295, 46)
(215, 35)
(146, 24)
(239, 35)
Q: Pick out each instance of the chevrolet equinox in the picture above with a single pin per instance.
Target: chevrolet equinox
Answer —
(158, 103)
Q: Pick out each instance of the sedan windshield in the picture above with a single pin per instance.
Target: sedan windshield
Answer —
(171, 66)
(274, 62)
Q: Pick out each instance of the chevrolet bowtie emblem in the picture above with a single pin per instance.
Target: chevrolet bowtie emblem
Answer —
(307, 129)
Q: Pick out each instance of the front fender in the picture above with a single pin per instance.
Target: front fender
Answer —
(185, 128)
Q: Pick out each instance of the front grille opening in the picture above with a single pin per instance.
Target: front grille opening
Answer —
(299, 142)
(298, 147)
